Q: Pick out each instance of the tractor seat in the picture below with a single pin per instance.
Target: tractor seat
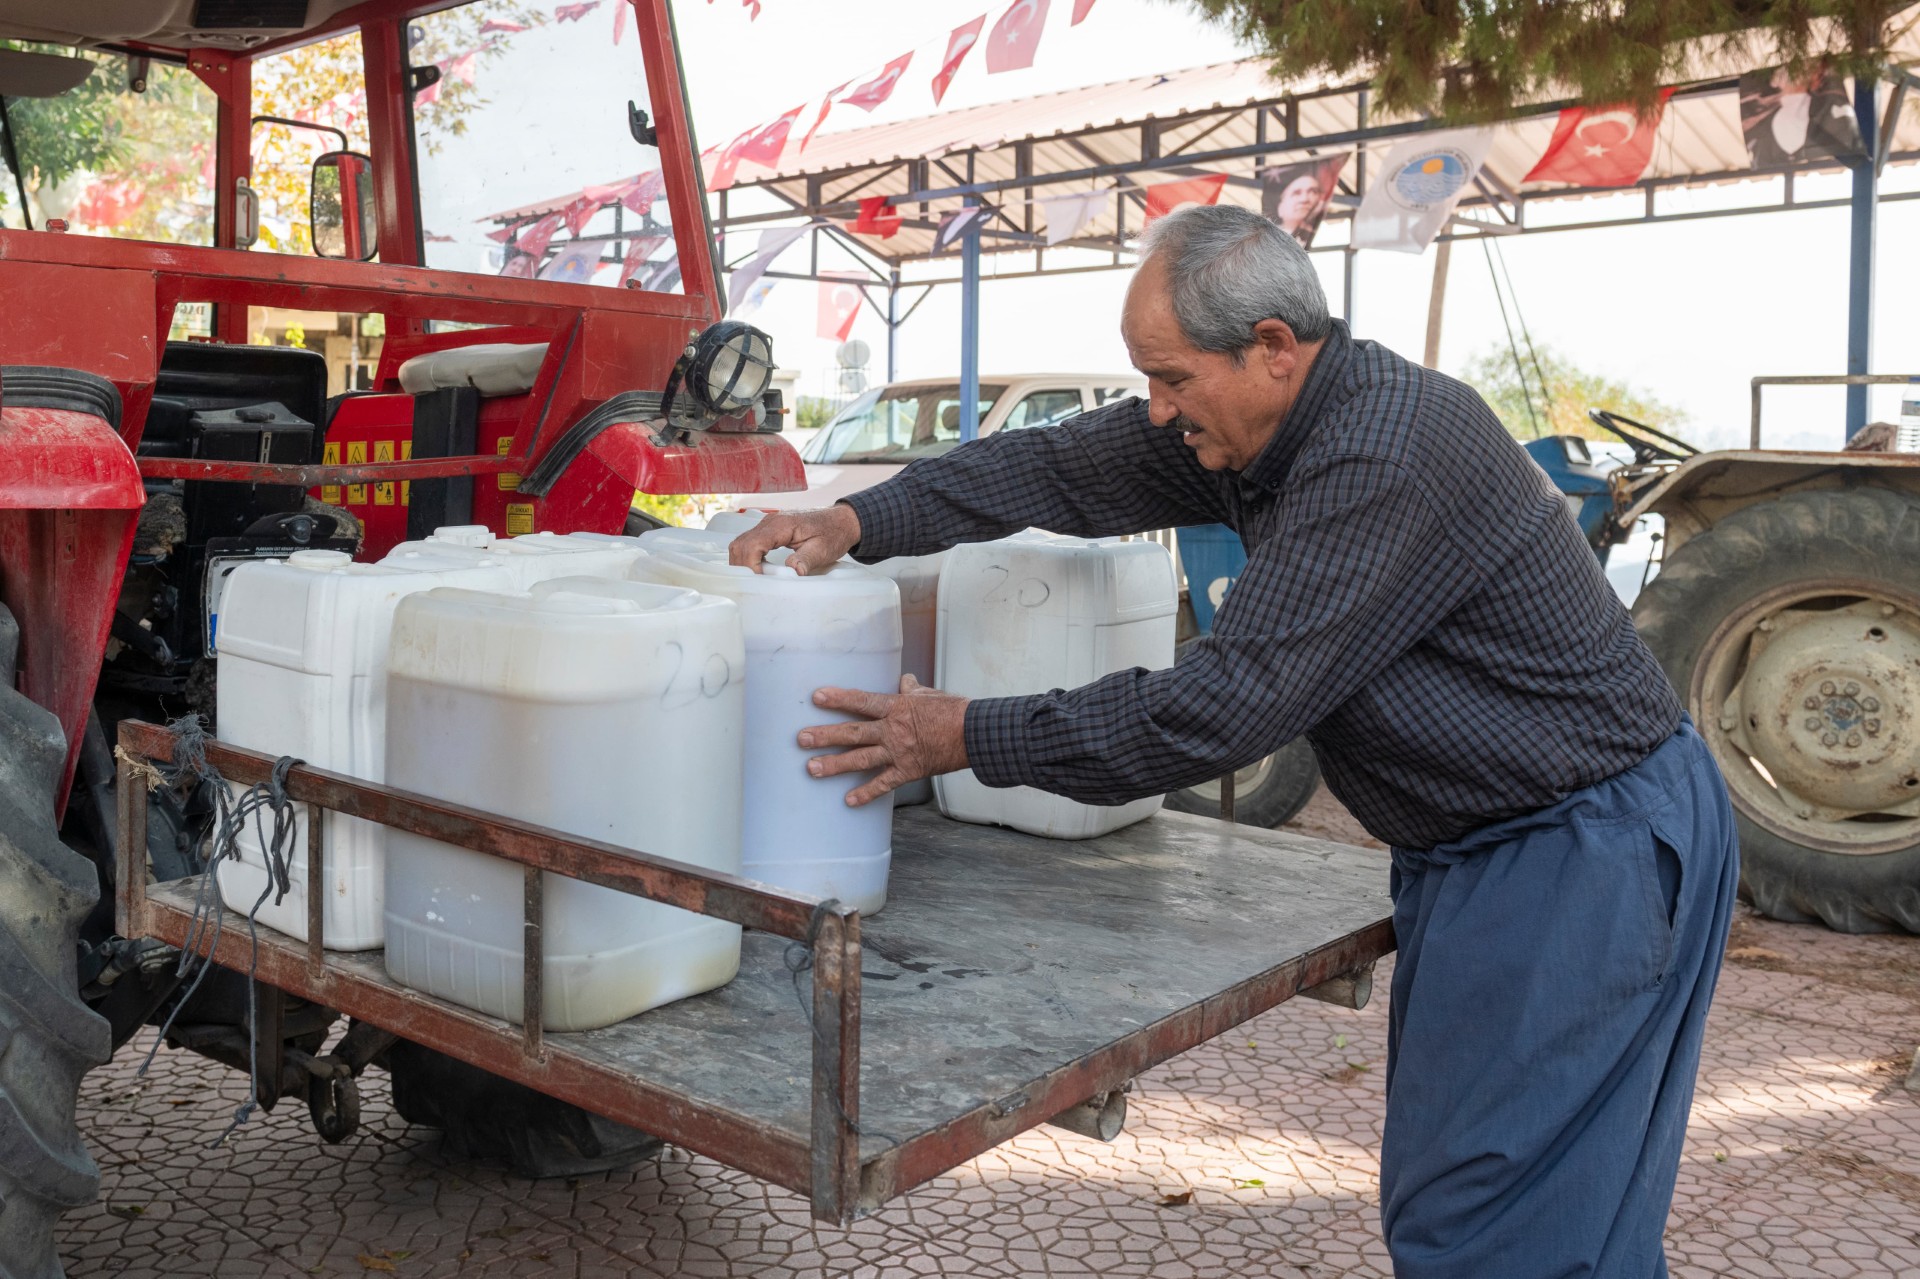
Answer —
(496, 368)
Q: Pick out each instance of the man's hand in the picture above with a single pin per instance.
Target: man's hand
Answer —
(818, 539)
(908, 735)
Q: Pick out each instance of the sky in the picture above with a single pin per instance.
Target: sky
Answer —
(1685, 312)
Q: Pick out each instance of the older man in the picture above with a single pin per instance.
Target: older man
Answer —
(1419, 603)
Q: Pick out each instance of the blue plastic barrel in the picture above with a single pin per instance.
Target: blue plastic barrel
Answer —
(1213, 559)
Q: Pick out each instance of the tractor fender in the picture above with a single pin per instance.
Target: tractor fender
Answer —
(1707, 488)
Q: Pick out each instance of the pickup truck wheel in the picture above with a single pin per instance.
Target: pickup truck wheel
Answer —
(48, 1037)
(1266, 793)
(1792, 631)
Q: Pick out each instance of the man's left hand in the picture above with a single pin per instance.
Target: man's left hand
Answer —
(908, 735)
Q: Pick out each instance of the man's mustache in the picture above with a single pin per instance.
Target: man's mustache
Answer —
(1185, 423)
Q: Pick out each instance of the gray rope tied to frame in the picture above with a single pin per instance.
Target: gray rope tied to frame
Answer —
(259, 804)
(798, 958)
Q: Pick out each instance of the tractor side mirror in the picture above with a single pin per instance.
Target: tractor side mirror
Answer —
(340, 206)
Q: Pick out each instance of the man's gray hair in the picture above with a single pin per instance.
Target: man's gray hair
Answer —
(1229, 268)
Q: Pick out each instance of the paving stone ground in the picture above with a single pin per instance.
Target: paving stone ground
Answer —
(1254, 1155)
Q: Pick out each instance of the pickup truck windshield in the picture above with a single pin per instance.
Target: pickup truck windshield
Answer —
(896, 424)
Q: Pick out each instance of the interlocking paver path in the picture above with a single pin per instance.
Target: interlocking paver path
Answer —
(1253, 1155)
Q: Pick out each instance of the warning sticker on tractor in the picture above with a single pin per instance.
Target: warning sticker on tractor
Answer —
(406, 486)
(383, 492)
(509, 481)
(519, 518)
(330, 456)
(356, 456)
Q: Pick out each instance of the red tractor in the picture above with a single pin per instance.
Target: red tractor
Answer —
(135, 470)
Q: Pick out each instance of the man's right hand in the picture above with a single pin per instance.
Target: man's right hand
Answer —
(818, 538)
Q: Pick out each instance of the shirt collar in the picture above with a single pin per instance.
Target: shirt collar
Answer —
(1269, 469)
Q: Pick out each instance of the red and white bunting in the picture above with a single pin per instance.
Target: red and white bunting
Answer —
(579, 213)
(877, 218)
(839, 305)
(619, 19)
(1081, 8)
(826, 105)
(880, 88)
(639, 249)
(959, 44)
(500, 26)
(766, 144)
(1011, 43)
(534, 240)
(574, 12)
(1164, 197)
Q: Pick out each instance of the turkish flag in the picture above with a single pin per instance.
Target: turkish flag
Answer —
(826, 105)
(959, 45)
(839, 306)
(880, 88)
(1081, 8)
(765, 146)
(1013, 39)
(579, 213)
(1164, 197)
(639, 249)
(876, 218)
(1599, 146)
(642, 190)
(534, 240)
(726, 163)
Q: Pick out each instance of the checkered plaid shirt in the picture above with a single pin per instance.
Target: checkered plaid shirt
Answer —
(1417, 600)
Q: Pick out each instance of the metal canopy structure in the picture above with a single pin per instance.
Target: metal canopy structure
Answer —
(1234, 119)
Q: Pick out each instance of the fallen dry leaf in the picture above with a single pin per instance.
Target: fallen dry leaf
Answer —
(1180, 1200)
(374, 1263)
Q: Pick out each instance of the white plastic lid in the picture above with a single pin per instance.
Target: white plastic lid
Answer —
(320, 561)
(463, 535)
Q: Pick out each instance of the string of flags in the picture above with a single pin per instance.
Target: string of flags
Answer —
(1010, 45)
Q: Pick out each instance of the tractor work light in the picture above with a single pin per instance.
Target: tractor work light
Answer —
(726, 369)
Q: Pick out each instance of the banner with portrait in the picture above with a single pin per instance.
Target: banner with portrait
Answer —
(1297, 195)
(1795, 119)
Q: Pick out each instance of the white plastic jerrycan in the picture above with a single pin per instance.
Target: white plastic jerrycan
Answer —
(1039, 611)
(607, 709)
(532, 557)
(839, 628)
(303, 672)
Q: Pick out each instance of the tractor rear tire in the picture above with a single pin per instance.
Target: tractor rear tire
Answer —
(48, 1037)
(1818, 554)
(1266, 794)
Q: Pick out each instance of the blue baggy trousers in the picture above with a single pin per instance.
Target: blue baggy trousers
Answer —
(1548, 1004)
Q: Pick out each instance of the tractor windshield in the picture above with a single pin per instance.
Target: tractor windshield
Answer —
(528, 164)
(110, 159)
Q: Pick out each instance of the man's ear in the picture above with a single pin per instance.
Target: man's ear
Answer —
(1277, 347)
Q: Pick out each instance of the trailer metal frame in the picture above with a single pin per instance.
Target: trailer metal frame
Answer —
(843, 1172)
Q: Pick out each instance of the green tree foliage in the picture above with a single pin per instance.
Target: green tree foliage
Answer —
(1478, 59)
(1560, 408)
(141, 163)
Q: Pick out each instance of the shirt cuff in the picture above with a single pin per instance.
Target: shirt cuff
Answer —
(886, 521)
(996, 736)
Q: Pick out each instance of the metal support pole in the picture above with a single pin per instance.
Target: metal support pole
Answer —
(893, 320)
(970, 329)
(1437, 302)
(1860, 251)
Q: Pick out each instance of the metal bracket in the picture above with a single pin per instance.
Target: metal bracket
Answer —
(1349, 990)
